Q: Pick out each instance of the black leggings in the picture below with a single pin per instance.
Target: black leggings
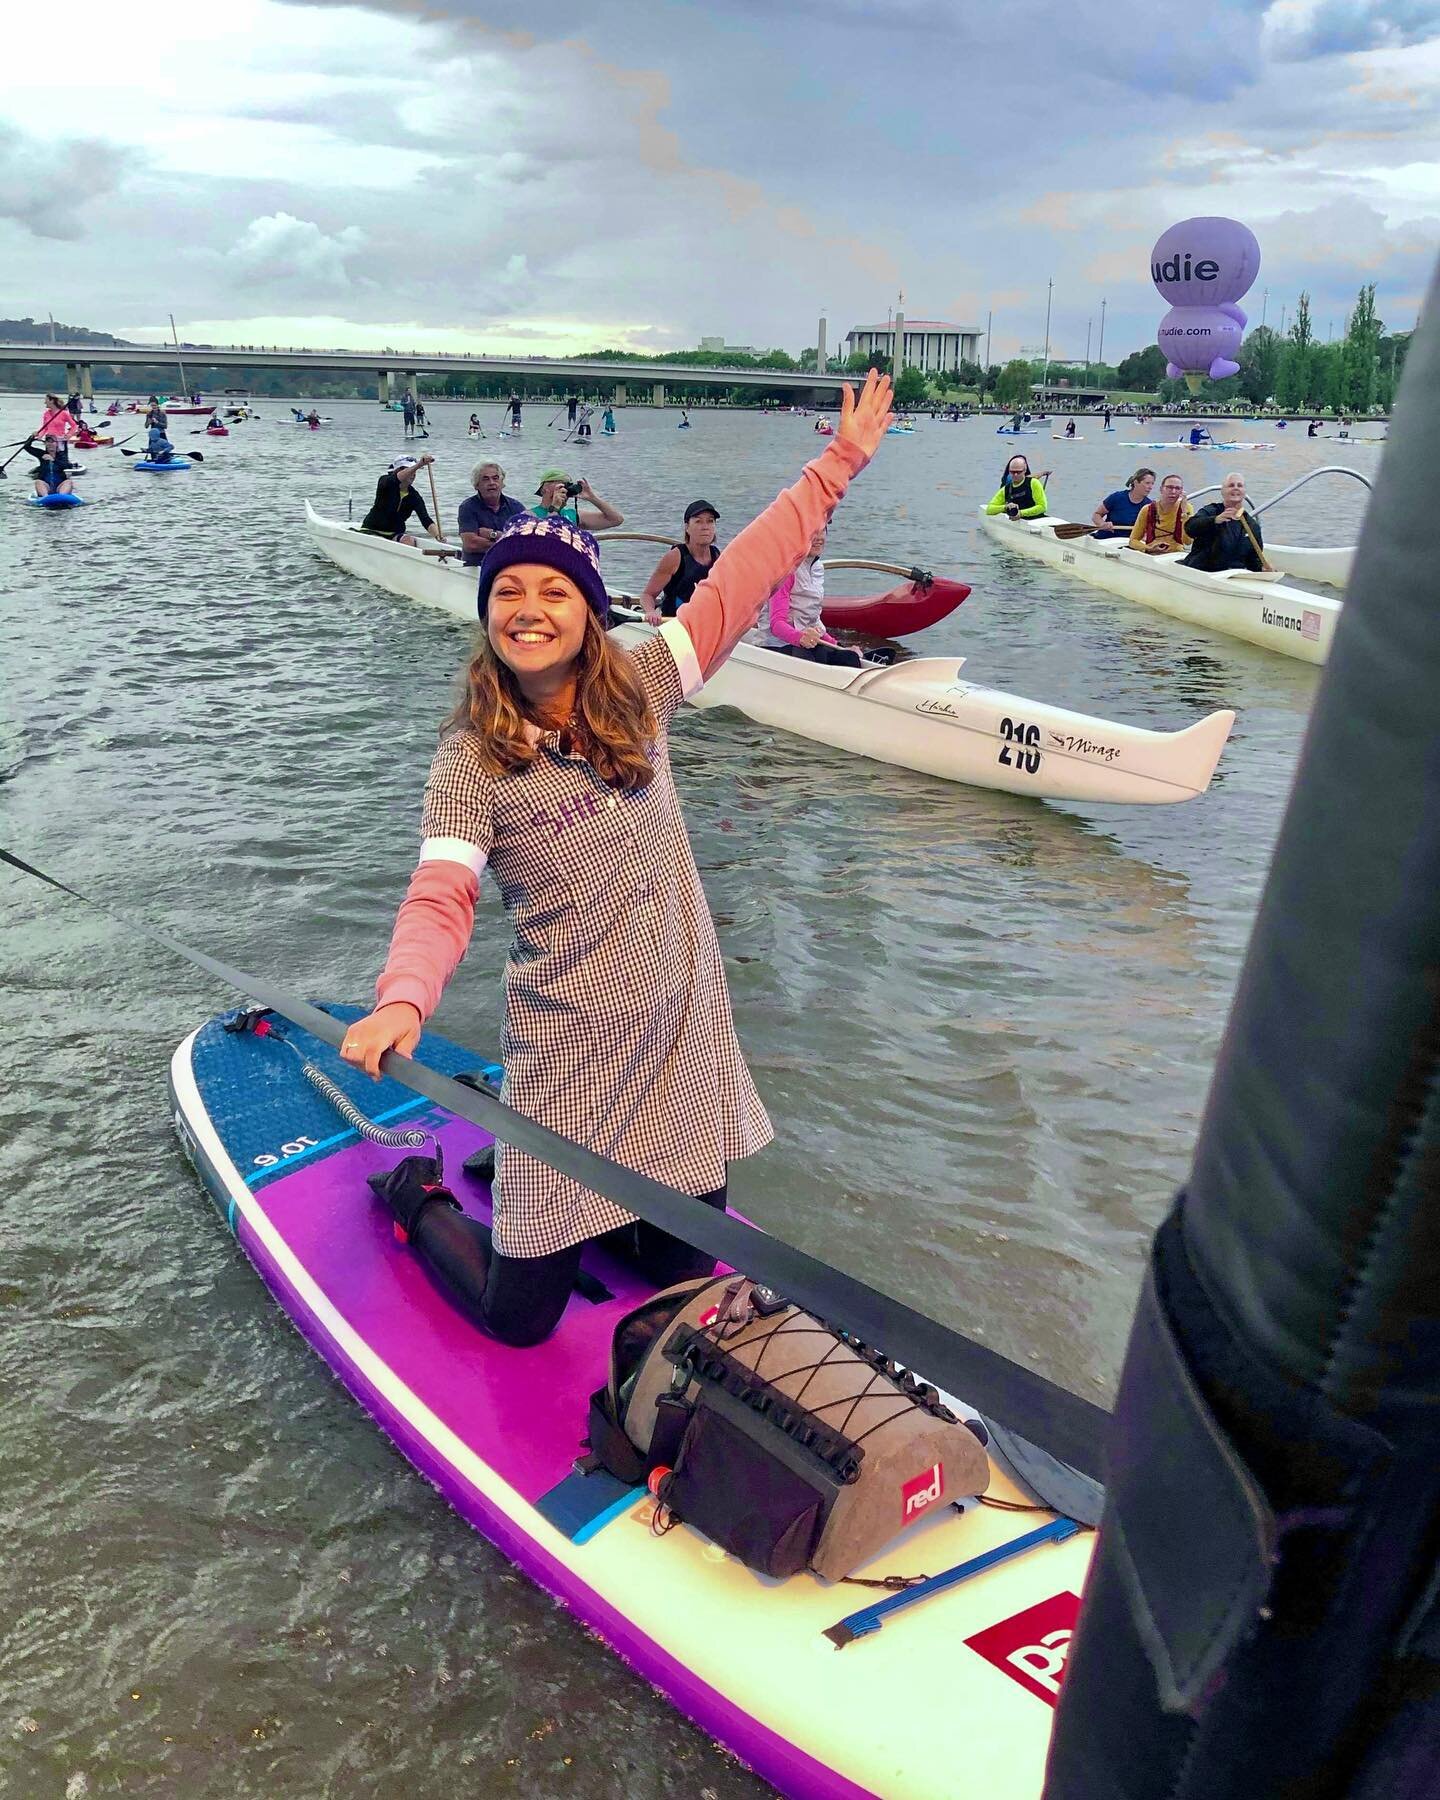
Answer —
(825, 653)
(519, 1299)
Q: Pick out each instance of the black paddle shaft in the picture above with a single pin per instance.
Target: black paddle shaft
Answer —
(1052, 1425)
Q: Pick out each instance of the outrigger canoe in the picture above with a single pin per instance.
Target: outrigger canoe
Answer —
(1259, 608)
(922, 714)
(1171, 444)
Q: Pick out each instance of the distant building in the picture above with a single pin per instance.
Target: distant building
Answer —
(929, 343)
(718, 347)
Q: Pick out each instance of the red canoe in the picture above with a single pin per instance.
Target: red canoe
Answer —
(214, 430)
(188, 412)
(900, 612)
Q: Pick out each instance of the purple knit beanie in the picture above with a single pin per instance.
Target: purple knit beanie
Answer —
(556, 543)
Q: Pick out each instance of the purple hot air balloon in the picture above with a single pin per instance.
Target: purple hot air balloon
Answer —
(1202, 267)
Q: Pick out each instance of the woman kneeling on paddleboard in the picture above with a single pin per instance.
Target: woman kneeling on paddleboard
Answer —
(555, 773)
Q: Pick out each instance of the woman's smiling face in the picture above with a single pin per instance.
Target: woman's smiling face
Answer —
(535, 619)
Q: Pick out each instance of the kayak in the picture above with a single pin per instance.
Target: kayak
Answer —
(217, 431)
(902, 611)
(899, 431)
(56, 502)
(920, 714)
(1011, 431)
(1258, 608)
(166, 468)
(187, 412)
(94, 443)
(1170, 444)
(966, 1679)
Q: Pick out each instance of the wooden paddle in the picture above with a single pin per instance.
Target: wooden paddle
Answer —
(1067, 531)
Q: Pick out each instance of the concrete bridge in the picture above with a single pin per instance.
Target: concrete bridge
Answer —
(80, 359)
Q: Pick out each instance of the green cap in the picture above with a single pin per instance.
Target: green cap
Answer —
(549, 476)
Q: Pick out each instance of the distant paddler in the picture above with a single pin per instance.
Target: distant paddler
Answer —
(1198, 435)
(1020, 495)
(475, 428)
(1160, 529)
(557, 495)
(514, 408)
(607, 422)
(396, 500)
(1116, 514)
(684, 566)
(52, 465)
(158, 448)
(57, 418)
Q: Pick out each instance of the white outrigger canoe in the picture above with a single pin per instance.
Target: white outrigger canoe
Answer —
(1260, 608)
(919, 714)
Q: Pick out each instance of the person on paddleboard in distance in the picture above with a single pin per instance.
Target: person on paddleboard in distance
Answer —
(407, 409)
(396, 501)
(555, 773)
(684, 566)
(52, 465)
(684, 424)
(572, 404)
(474, 429)
(515, 409)
(607, 422)
(1107, 418)
(1020, 495)
(1117, 512)
(485, 513)
(158, 448)
(1069, 428)
(1160, 530)
(790, 623)
(558, 496)
(1226, 534)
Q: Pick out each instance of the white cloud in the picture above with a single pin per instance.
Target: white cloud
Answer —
(283, 251)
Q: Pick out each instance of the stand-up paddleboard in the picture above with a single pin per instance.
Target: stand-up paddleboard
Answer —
(954, 1690)
(56, 502)
(166, 468)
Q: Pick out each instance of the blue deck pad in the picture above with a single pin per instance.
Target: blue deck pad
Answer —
(263, 1109)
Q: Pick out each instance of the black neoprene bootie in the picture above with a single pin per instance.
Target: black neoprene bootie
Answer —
(407, 1189)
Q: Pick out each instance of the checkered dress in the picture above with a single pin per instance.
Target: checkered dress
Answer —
(618, 1031)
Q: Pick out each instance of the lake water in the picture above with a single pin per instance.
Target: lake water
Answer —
(983, 1027)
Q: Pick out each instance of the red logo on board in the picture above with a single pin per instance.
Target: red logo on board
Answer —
(921, 1491)
(1031, 1647)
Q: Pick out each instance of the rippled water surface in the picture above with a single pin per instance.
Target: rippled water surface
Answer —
(983, 1027)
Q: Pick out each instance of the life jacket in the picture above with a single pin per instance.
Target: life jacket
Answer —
(785, 1442)
(687, 577)
(1020, 496)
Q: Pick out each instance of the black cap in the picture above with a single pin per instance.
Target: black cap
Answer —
(696, 507)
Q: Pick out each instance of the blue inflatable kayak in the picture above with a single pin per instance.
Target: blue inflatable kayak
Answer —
(56, 500)
(165, 468)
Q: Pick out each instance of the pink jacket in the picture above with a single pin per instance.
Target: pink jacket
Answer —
(437, 915)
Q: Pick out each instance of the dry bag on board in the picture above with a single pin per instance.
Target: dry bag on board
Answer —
(784, 1441)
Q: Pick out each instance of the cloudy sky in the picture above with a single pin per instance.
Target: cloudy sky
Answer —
(452, 174)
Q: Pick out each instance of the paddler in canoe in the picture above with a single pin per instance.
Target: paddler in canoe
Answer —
(1116, 514)
(396, 502)
(1161, 528)
(1020, 495)
(790, 623)
(684, 566)
(52, 465)
(485, 514)
(1226, 534)
(558, 495)
(555, 774)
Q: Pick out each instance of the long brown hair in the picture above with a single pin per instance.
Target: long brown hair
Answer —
(615, 725)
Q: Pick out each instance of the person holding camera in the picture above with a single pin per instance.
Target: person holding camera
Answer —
(557, 495)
